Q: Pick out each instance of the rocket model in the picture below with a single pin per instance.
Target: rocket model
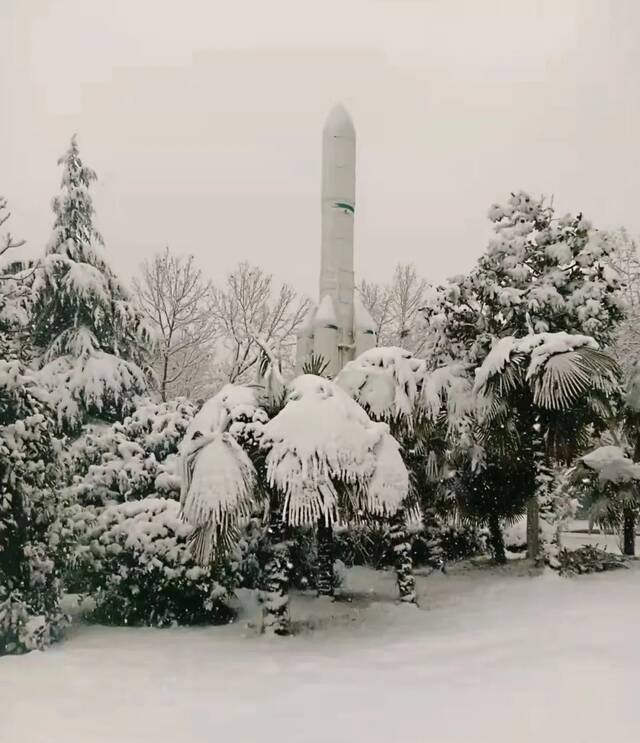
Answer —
(340, 327)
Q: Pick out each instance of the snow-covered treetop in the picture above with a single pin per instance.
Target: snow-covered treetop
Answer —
(73, 229)
(612, 465)
(216, 414)
(538, 274)
(385, 381)
(323, 441)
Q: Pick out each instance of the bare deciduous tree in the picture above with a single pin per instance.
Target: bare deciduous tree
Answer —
(7, 242)
(395, 308)
(175, 298)
(249, 306)
(625, 259)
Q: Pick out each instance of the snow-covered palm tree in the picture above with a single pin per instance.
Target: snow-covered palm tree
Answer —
(541, 397)
(218, 488)
(331, 463)
(428, 412)
(612, 481)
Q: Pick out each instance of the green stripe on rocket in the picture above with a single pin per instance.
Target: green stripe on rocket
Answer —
(348, 209)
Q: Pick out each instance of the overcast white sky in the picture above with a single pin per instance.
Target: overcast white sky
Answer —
(203, 120)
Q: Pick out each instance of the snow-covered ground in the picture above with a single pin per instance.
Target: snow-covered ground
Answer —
(493, 654)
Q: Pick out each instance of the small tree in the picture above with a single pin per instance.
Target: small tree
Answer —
(611, 480)
(396, 308)
(90, 335)
(175, 298)
(543, 395)
(249, 306)
(16, 277)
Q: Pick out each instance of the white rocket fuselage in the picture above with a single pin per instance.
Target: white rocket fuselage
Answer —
(338, 210)
(340, 327)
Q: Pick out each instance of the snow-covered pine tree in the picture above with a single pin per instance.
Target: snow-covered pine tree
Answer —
(30, 613)
(91, 337)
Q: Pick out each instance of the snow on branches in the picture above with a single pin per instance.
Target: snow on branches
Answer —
(539, 274)
(90, 335)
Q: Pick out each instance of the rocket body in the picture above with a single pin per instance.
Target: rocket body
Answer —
(338, 210)
(336, 330)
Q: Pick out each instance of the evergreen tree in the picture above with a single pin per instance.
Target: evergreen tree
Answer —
(89, 333)
(30, 614)
(539, 274)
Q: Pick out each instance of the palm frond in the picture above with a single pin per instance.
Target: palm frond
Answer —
(564, 378)
(217, 491)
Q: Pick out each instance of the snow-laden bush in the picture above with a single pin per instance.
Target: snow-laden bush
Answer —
(132, 459)
(588, 559)
(30, 613)
(137, 566)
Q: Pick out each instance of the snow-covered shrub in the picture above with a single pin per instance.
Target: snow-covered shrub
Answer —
(30, 613)
(139, 569)
(588, 559)
(132, 459)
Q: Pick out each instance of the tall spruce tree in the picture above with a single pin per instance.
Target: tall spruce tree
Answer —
(91, 337)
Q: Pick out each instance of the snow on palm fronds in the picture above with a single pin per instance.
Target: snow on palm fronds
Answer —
(218, 477)
(270, 375)
(216, 414)
(560, 369)
(611, 464)
(327, 456)
(385, 381)
(447, 390)
(217, 490)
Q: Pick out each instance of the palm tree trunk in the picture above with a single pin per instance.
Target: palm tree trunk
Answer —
(497, 540)
(274, 593)
(404, 563)
(533, 528)
(629, 532)
(325, 582)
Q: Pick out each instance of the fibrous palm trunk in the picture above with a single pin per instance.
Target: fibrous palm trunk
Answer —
(274, 593)
(404, 563)
(325, 582)
(629, 532)
(497, 540)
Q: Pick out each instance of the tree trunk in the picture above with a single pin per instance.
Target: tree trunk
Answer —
(533, 528)
(404, 563)
(629, 532)
(165, 374)
(274, 593)
(325, 582)
(497, 540)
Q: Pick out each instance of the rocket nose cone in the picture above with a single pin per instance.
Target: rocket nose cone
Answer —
(339, 122)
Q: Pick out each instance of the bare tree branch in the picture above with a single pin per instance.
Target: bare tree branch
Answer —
(174, 297)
